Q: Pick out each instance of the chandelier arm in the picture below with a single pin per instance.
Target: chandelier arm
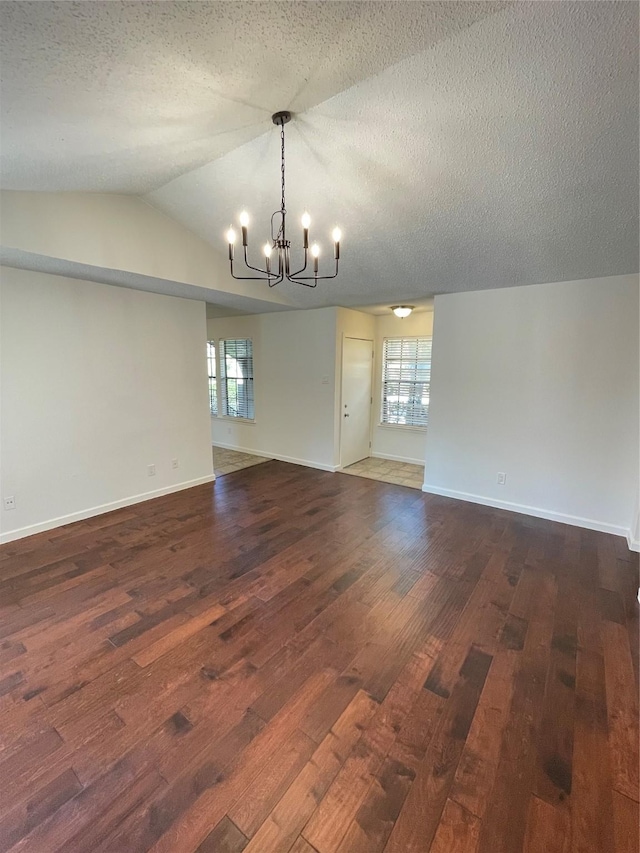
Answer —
(302, 269)
(278, 280)
(299, 281)
(256, 269)
(250, 277)
(264, 277)
(314, 277)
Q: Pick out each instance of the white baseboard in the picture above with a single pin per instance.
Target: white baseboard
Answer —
(634, 544)
(307, 463)
(536, 512)
(389, 456)
(21, 532)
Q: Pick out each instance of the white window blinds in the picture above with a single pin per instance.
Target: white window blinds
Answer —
(211, 364)
(406, 375)
(236, 378)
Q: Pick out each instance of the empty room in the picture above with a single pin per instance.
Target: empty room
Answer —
(319, 426)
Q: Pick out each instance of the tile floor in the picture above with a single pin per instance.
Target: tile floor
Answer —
(225, 461)
(400, 473)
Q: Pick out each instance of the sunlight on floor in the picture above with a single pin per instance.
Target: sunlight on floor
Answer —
(226, 461)
(388, 471)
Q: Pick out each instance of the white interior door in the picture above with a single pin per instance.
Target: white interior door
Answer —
(357, 368)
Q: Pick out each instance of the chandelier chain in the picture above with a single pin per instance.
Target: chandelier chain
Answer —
(280, 235)
(282, 161)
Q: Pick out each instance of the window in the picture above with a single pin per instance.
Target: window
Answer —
(406, 374)
(211, 363)
(236, 378)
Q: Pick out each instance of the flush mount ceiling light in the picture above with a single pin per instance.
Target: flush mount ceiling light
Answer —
(402, 310)
(279, 243)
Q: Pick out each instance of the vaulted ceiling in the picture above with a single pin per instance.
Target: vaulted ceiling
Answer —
(460, 145)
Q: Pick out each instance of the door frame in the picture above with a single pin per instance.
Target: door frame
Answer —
(341, 399)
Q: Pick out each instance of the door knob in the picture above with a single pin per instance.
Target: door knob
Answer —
(346, 416)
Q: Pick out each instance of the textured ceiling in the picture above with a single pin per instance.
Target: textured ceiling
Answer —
(459, 145)
(504, 155)
(124, 96)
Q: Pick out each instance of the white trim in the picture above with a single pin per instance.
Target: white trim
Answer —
(21, 532)
(634, 545)
(537, 512)
(393, 458)
(233, 420)
(307, 463)
(403, 427)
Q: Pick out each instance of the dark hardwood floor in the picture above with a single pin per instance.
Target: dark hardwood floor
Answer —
(291, 660)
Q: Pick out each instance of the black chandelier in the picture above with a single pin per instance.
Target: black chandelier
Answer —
(279, 242)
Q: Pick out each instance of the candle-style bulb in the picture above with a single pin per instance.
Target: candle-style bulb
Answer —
(267, 249)
(336, 234)
(231, 236)
(244, 221)
(306, 222)
(315, 251)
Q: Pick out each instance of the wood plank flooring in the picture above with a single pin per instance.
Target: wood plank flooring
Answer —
(291, 660)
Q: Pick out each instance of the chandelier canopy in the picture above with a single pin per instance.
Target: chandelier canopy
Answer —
(279, 243)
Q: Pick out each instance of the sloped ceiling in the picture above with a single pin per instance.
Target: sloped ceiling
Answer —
(124, 96)
(459, 145)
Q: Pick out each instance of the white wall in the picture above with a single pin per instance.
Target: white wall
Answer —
(294, 357)
(97, 383)
(405, 444)
(541, 383)
(302, 350)
(124, 233)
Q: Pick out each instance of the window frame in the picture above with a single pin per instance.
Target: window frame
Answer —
(211, 344)
(385, 424)
(223, 400)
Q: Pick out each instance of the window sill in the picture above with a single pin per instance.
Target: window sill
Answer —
(231, 420)
(403, 427)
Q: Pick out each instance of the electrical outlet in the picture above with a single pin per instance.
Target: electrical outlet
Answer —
(175, 463)
(151, 470)
(502, 478)
(10, 502)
